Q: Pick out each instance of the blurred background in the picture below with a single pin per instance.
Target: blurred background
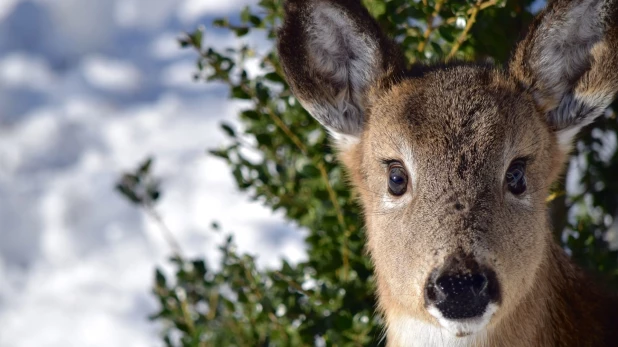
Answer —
(89, 88)
(241, 229)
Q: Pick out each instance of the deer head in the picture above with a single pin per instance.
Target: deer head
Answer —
(452, 162)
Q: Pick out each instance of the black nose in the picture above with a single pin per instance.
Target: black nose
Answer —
(461, 289)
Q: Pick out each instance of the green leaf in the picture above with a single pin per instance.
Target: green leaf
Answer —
(446, 33)
(273, 76)
(376, 8)
(245, 14)
(264, 139)
(184, 41)
(255, 20)
(436, 48)
(144, 168)
(239, 93)
(221, 22)
(196, 38)
(228, 130)
(129, 194)
(221, 153)
(160, 280)
(250, 114)
(262, 92)
(241, 31)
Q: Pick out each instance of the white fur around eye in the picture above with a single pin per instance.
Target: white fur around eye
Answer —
(390, 202)
(524, 201)
(408, 160)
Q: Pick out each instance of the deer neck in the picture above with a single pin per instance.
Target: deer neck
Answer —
(564, 308)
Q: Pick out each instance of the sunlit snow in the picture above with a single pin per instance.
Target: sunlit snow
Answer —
(88, 89)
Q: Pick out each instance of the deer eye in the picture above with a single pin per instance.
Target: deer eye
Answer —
(397, 179)
(516, 177)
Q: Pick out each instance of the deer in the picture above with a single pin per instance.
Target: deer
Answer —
(452, 163)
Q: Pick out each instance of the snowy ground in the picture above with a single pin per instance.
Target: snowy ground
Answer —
(88, 88)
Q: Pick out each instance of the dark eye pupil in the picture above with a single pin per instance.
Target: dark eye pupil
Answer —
(397, 180)
(516, 178)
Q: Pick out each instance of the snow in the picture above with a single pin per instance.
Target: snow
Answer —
(6, 7)
(111, 74)
(25, 71)
(88, 89)
(190, 10)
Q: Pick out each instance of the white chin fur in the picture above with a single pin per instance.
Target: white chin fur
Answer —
(407, 331)
(464, 327)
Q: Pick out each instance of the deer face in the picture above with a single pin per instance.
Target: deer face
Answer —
(452, 163)
(453, 179)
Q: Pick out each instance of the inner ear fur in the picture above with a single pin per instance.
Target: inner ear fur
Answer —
(333, 52)
(569, 61)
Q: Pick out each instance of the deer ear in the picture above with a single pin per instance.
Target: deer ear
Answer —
(569, 60)
(332, 53)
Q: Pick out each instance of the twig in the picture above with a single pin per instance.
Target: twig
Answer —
(279, 122)
(213, 302)
(292, 283)
(175, 246)
(256, 291)
(463, 36)
(184, 307)
(483, 6)
(340, 218)
(167, 233)
(430, 19)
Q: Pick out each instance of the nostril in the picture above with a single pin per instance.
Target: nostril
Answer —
(430, 293)
(479, 282)
(459, 206)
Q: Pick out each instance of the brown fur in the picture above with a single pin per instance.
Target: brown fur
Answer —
(456, 128)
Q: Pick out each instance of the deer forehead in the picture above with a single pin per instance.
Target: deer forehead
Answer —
(434, 119)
